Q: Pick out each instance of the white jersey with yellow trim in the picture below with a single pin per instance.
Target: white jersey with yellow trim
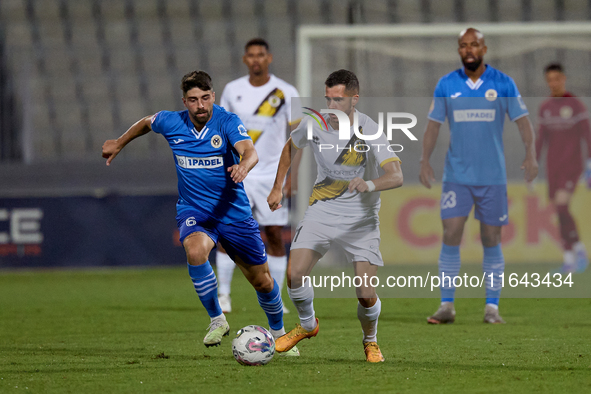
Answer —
(266, 112)
(340, 161)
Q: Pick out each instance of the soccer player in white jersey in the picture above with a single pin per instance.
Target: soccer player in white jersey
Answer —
(263, 103)
(474, 99)
(343, 208)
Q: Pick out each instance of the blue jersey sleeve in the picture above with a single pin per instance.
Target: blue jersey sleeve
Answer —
(161, 121)
(235, 130)
(438, 111)
(515, 106)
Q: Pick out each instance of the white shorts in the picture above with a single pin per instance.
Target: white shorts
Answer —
(257, 190)
(358, 236)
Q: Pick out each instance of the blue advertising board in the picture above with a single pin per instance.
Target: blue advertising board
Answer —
(113, 230)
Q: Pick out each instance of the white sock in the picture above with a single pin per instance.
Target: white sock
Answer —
(579, 246)
(220, 317)
(495, 306)
(225, 269)
(569, 258)
(369, 320)
(277, 266)
(447, 303)
(303, 299)
(277, 333)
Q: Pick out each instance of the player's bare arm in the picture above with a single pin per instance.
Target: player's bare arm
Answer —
(391, 179)
(291, 182)
(276, 195)
(111, 148)
(249, 159)
(427, 175)
(530, 164)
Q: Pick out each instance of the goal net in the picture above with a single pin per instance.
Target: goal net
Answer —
(404, 62)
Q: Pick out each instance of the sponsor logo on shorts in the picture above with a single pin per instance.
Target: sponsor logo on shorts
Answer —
(199, 162)
(503, 218)
(474, 115)
(448, 200)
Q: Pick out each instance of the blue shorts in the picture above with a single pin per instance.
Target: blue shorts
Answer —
(490, 202)
(240, 239)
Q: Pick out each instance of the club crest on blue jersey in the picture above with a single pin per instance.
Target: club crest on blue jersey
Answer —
(216, 141)
(491, 95)
(201, 158)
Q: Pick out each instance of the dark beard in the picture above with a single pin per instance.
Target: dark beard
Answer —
(202, 123)
(474, 65)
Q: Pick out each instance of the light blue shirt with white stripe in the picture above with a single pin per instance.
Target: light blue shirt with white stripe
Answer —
(476, 114)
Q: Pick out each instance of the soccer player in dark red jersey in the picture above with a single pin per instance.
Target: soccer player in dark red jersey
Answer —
(564, 128)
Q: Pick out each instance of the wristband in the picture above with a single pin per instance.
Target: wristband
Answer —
(370, 186)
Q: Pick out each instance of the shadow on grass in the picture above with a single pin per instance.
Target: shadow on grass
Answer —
(136, 308)
(123, 362)
(404, 365)
(116, 355)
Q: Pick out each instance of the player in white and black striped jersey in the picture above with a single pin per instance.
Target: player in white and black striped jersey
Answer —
(263, 102)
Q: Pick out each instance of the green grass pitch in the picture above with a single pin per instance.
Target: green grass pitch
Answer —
(141, 330)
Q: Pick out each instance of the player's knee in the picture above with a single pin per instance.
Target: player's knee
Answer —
(295, 277)
(263, 283)
(452, 236)
(196, 256)
(490, 239)
(561, 198)
(368, 302)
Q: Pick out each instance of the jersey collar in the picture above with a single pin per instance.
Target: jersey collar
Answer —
(214, 113)
(269, 82)
(332, 129)
(471, 84)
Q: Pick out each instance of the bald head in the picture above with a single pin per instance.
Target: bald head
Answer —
(472, 34)
(472, 49)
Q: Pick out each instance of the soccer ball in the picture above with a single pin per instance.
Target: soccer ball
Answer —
(253, 345)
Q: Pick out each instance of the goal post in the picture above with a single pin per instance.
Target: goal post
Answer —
(406, 60)
(307, 33)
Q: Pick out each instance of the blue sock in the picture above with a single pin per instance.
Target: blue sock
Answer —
(206, 286)
(449, 265)
(273, 306)
(493, 263)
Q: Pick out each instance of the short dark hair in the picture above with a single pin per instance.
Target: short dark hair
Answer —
(343, 77)
(196, 79)
(257, 41)
(554, 67)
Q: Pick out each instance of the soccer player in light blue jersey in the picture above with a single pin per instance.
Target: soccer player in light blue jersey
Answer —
(474, 99)
(213, 154)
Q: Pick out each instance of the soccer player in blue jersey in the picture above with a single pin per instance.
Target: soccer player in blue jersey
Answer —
(474, 99)
(207, 143)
